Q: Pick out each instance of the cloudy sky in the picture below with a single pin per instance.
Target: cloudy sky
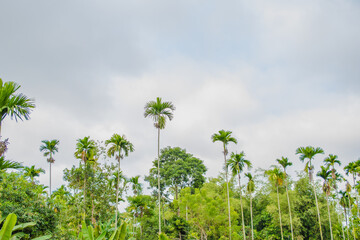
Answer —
(279, 74)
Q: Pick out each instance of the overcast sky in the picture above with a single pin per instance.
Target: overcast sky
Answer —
(278, 74)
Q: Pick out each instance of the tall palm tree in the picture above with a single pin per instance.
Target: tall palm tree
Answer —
(250, 188)
(277, 176)
(85, 147)
(226, 138)
(308, 153)
(32, 172)
(325, 174)
(17, 105)
(136, 185)
(331, 160)
(354, 169)
(237, 163)
(284, 162)
(344, 202)
(121, 146)
(159, 111)
(49, 148)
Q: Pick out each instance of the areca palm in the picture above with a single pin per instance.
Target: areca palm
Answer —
(308, 153)
(354, 169)
(159, 111)
(16, 105)
(325, 174)
(49, 148)
(120, 148)
(7, 164)
(226, 138)
(250, 188)
(237, 163)
(284, 162)
(277, 176)
(85, 147)
(331, 160)
(33, 172)
(345, 199)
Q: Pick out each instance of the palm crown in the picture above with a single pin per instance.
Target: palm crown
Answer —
(224, 137)
(49, 148)
(284, 162)
(275, 175)
(33, 172)
(119, 144)
(159, 111)
(331, 160)
(84, 147)
(18, 106)
(308, 153)
(237, 163)
(325, 174)
(251, 184)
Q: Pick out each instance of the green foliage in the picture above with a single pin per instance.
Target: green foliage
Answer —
(11, 232)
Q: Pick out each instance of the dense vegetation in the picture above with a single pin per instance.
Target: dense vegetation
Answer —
(240, 203)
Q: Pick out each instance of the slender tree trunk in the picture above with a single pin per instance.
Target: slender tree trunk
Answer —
(50, 180)
(281, 230)
(117, 192)
(242, 211)
(356, 195)
(85, 191)
(227, 190)
(251, 215)
(346, 221)
(318, 211)
(342, 226)
(350, 221)
(159, 180)
(291, 225)
(327, 202)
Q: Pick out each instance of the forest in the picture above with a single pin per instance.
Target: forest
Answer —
(182, 203)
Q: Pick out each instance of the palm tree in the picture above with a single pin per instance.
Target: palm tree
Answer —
(17, 105)
(354, 169)
(159, 111)
(250, 188)
(344, 202)
(237, 164)
(325, 174)
(32, 172)
(49, 148)
(331, 160)
(277, 176)
(136, 186)
(308, 153)
(121, 146)
(225, 137)
(84, 148)
(284, 162)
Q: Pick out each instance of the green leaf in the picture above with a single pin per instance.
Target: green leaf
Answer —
(42, 237)
(122, 231)
(23, 225)
(7, 228)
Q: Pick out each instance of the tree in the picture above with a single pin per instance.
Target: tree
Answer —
(345, 200)
(121, 146)
(250, 188)
(159, 111)
(7, 164)
(354, 169)
(136, 185)
(49, 148)
(325, 175)
(84, 148)
(237, 163)
(225, 137)
(331, 160)
(284, 162)
(33, 172)
(308, 153)
(16, 105)
(277, 176)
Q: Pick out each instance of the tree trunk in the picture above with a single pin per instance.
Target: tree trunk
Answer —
(117, 191)
(92, 210)
(227, 190)
(277, 191)
(356, 196)
(327, 202)
(347, 227)
(251, 215)
(318, 211)
(291, 225)
(85, 191)
(242, 211)
(353, 231)
(159, 180)
(50, 178)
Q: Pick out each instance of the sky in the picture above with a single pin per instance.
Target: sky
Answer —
(278, 74)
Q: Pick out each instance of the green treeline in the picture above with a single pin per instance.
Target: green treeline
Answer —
(240, 203)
